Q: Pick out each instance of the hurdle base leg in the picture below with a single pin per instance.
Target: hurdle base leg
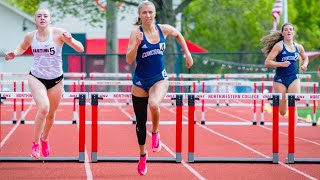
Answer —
(22, 120)
(178, 157)
(81, 156)
(94, 157)
(254, 120)
(262, 119)
(290, 159)
(14, 119)
(75, 117)
(275, 158)
(190, 157)
(203, 119)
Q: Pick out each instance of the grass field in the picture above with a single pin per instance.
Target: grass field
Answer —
(303, 112)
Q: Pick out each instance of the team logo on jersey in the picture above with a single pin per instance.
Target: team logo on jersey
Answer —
(144, 46)
(139, 83)
(50, 50)
(162, 46)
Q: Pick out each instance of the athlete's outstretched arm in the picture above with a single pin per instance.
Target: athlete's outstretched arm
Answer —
(270, 60)
(21, 48)
(136, 37)
(171, 31)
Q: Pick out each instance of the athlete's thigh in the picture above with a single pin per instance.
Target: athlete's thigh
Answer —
(158, 91)
(294, 87)
(38, 91)
(139, 92)
(55, 95)
(280, 88)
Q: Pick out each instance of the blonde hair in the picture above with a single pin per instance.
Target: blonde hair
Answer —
(43, 8)
(271, 39)
(143, 3)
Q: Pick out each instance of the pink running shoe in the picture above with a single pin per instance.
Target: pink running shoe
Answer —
(45, 147)
(35, 150)
(156, 143)
(142, 165)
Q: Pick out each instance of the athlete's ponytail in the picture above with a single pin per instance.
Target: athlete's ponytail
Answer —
(270, 40)
(138, 22)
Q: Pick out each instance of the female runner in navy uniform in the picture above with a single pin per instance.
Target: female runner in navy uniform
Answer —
(279, 46)
(150, 84)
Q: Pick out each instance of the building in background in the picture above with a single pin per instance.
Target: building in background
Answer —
(14, 25)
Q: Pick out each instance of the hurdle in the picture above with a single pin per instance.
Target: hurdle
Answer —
(14, 115)
(235, 83)
(82, 102)
(129, 83)
(183, 76)
(275, 132)
(95, 97)
(291, 128)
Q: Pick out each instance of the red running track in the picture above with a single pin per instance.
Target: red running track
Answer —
(120, 140)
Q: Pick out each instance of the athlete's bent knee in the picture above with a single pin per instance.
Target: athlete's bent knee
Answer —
(140, 105)
(154, 107)
(43, 110)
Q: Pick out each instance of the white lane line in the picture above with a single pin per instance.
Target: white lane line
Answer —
(86, 161)
(13, 129)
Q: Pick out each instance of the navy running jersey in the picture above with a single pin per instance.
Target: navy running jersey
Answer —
(286, 55)
(150, 60)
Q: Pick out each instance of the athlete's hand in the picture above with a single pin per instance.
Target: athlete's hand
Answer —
(139, 38)
(189, 61)
(285, 63)
(9, 56)
(304, 68)
(67, 37)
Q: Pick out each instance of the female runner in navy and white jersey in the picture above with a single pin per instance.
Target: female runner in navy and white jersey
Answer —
(45, 79)
(279, 46)
(150, 84)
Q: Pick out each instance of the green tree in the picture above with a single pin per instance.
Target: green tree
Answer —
(89, 12)
(29, 6)
(237, 26)
(307, 23)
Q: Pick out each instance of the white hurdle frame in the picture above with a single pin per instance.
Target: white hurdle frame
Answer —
(14, 84)
(235, 83)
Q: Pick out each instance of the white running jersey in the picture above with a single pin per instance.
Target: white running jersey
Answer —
(47, 62)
